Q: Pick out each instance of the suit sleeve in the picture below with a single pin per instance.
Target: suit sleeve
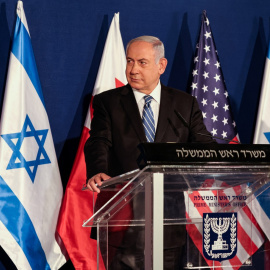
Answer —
(197, 126)
(97, 147)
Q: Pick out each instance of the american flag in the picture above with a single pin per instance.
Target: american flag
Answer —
(209, 88)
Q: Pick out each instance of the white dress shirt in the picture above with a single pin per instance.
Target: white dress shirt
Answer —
(155, 103)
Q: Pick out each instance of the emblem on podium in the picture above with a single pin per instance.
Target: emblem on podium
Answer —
(219, 236)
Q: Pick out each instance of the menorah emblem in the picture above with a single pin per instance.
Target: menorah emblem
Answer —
(224, 246)
(220, 226)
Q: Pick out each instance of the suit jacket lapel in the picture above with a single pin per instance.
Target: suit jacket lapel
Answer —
(165, 111)
(131, 108)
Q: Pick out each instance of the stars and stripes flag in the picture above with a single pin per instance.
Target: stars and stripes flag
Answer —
(209, 88)
(77, 205)
(30, 184)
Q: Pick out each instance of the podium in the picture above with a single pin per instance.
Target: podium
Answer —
(194, 203)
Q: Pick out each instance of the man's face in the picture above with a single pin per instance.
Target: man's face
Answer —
(142, 72)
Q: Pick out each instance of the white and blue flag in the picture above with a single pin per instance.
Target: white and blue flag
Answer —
(30, 184)
(262, 130)
(260, 205)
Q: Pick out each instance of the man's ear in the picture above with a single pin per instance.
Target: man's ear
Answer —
(162, 65)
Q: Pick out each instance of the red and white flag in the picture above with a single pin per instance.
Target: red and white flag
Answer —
(77, 205)
(216, 195)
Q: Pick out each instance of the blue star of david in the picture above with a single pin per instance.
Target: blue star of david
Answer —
(267, 135)
(15, 140)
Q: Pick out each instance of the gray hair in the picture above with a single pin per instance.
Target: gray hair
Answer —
(158, 45)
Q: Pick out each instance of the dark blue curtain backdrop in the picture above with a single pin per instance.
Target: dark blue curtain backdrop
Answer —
(68, 39)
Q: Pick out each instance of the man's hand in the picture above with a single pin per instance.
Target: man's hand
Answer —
(96, 181)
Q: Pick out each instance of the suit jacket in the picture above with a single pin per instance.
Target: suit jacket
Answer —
(117, 130)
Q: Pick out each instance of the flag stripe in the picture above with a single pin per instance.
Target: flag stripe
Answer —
(257, 234)
(21, 36)
(17, 221)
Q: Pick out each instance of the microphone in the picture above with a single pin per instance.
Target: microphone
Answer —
(178, 114)
(182, 119)
(173, 127)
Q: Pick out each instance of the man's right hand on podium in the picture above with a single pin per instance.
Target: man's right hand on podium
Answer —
(96, 181)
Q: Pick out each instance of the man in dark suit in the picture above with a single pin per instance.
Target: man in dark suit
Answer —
(117, 128)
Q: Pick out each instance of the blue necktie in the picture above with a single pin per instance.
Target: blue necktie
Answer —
(148, 119)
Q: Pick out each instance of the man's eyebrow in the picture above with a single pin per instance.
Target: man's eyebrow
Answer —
(142, 59)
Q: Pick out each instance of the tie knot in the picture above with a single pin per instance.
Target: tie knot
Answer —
(147, 99)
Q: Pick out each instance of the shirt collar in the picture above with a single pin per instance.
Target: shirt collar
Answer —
(155, 94)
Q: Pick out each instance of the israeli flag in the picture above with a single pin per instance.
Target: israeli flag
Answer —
(30, 184)
(262, 129)
(260, 205)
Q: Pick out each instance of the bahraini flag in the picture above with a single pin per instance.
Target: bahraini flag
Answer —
(77, 205)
